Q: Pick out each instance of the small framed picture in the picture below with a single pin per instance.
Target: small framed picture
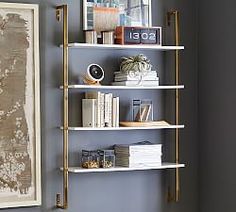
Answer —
(106, 15)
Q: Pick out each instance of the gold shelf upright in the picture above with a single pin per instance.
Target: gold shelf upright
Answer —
(175, 14)
(62, 12)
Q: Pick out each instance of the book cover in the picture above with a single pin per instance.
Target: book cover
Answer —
(108, 110)
(150, 159)
(114, 111)
(117, 111)
(119, 73)
(139, 148)
(146, 78)
(102, 110)
(110, 97)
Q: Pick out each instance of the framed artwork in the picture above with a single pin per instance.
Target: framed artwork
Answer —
(106, 15)
(20, 154)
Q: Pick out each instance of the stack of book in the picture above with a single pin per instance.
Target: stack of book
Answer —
(124, 79)
(142, 154)
(100, 110)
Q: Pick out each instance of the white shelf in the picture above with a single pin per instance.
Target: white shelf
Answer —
(110, 87)
(124, 128)
(124, 169)
(116, 46)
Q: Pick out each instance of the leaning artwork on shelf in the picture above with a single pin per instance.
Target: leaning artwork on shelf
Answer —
(20, 167)
(106, 15)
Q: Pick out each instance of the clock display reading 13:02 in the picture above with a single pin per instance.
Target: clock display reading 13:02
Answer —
(139, 35)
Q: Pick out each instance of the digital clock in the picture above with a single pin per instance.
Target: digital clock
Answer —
(138, 35)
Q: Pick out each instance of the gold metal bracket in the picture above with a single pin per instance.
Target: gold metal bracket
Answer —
(62, 14)
(170, 195)
(169, 15)
(175, 14)
(58, 14)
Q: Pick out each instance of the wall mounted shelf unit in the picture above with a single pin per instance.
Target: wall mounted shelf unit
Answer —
(62, 14)
(116, 46)
(124, 169)
(124, 128)
(110, 87)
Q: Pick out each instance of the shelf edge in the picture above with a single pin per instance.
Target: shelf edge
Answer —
(124, 169)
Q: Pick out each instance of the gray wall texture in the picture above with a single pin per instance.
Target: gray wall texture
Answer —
(217, 102)
(118, 192)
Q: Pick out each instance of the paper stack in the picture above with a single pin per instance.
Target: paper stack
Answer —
(142, 154)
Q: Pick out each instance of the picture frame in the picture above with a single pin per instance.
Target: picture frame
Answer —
(106, 15)
(20, 136)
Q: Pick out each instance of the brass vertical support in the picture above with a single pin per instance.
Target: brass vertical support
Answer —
(177, 175)
(59, 10)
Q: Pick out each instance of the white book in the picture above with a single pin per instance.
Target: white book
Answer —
(119, 76)
(139, 160)
(110, 97)
(145, 153)
(138, 149)
(138, 165)
(139, 155)
(96, 95)
(106, 110)
(139, 146)
(128, 78)
(122, 74)
(102, 110)
(148, 148)
(137, 83)
(117, 111)
(114, 111)
(150, 165)
(89, 112)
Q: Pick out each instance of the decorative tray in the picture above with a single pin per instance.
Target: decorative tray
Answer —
(143, 124)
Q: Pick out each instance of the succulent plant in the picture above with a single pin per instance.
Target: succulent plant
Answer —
(135, 66)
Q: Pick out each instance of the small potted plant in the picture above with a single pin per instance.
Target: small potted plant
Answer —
(135, 66)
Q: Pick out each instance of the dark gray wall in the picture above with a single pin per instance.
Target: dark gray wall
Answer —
(131, 191)
(217, 103)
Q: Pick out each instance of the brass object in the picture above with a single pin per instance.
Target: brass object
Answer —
(175, 13)
(108, 37)
(63, 11)
(91, 36)
(90, 82)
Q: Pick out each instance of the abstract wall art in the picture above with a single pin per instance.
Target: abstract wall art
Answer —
(102, 15)
(20, 167)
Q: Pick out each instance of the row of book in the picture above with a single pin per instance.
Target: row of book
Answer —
(100, 110)
(125, 79)
(142, 154)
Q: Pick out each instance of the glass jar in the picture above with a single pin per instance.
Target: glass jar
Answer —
(142, 110)
(107, 158)
(90, 159)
